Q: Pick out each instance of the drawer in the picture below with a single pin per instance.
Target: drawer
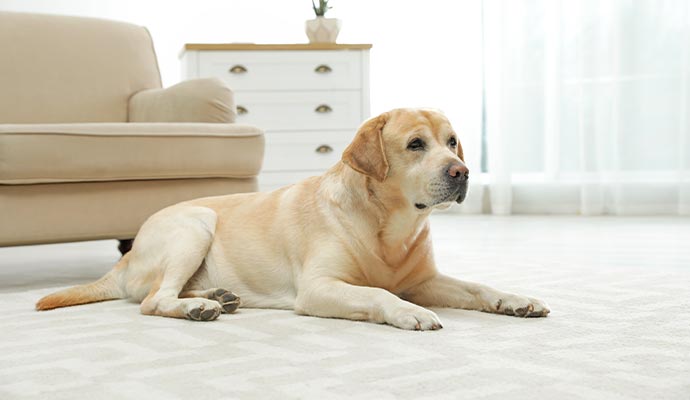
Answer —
(304, 151)
(299, 111)
(281, 70)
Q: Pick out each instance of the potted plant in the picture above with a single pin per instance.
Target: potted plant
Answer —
(322, 29)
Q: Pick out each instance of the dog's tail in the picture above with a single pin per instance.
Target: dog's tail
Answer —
(106, 288)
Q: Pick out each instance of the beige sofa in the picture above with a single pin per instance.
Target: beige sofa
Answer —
(90, 145)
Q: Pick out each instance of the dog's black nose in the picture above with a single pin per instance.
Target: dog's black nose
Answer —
(459, 172)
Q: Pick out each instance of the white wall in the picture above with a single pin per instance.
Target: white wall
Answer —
(426, 53)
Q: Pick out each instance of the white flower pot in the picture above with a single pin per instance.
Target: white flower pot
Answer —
(322, 30)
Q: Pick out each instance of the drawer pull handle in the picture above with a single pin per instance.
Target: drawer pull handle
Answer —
(324, 149)
(323, 109)
(242, 111)
(238, 69)
(323, 69)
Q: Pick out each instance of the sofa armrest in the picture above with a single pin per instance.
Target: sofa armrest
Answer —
(197, 100)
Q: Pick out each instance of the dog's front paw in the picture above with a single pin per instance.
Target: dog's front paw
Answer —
(413, 317)
(521, 306)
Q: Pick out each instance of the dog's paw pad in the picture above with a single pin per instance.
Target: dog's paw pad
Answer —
(537, 314)
(194, 313)
(201, 313)
(524, 311)
(524, 307)
(228, 300)
(208, 315)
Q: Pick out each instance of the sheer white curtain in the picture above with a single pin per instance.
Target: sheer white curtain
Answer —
(587, 106)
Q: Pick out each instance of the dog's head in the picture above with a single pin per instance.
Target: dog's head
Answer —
(413, 153)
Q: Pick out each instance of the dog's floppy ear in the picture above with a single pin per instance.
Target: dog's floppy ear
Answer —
(365, 154)
(460, 153)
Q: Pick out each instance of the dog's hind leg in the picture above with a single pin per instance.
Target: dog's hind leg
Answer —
(176, 243)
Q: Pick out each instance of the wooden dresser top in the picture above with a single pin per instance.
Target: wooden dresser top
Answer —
(282, 46)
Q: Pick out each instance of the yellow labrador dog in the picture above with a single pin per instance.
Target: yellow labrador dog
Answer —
(352, 243)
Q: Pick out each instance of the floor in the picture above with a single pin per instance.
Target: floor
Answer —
(619, 289)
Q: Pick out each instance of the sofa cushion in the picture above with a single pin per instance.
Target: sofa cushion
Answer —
(64, 212)
(41, 153)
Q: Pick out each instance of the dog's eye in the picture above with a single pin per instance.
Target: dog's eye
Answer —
(452, 142)
(416, 144)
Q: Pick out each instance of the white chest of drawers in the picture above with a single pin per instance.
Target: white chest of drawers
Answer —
(308, 98)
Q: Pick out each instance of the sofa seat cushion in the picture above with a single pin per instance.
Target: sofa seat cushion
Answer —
(43, 153)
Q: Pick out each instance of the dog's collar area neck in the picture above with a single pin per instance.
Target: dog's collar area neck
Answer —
(420, 206)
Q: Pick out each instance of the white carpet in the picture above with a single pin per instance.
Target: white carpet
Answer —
(620, 327)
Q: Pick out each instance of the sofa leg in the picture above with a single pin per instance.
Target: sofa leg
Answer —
(125, 246)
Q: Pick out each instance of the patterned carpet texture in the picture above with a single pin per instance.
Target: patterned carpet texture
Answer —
(619, 329)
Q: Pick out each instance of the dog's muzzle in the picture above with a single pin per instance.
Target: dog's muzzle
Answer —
(462, 192)
(451, 187)
(458, 175)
